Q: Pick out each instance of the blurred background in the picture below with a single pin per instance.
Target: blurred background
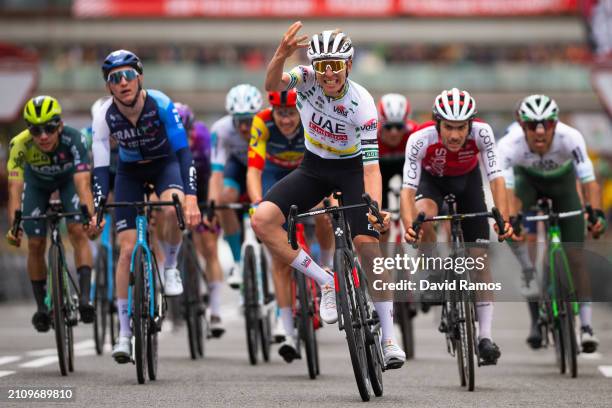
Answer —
(195, 50)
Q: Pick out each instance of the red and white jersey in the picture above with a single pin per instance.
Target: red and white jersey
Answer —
(397, 152)
(425, 150)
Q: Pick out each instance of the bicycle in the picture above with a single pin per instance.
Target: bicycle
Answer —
(145, 292)
(404, 309)
(103, 289)
(355, 313)
(306, 311)
(458, 316)
(63, 294)
(194, 303)
(559, 304)
(259, 304)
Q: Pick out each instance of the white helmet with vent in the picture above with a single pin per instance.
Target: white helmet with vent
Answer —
(243, 99)
(330, 44)
(454, 105)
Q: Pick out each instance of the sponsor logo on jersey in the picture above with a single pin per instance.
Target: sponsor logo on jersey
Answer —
(328, 128)
(489, 143)
(341, 110)
(371, 124)
(412, 158)
(306, 262)
(437, 162)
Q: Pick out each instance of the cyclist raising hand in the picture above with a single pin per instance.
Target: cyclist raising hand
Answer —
(340, 124)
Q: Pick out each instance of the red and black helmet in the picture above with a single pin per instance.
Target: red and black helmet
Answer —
(283, 99)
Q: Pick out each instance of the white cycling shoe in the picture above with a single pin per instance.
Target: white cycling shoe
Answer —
(173, 286)
(327, 309)
(288, 350)
(122, 350)
(393, 355)
(278, 332)
(234, 280)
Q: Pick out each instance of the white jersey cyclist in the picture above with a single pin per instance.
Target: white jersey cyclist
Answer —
(336, 128)
(227, 142)
(425, 150)
(568, 149)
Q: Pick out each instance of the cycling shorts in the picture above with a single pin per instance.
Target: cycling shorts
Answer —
(388, 169)
(234, 175)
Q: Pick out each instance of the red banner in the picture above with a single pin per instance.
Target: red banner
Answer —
(317, 8)
(485, 7)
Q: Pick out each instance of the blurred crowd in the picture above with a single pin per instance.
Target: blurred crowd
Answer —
(256, 57)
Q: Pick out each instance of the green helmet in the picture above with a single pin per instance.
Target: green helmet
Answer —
(41, 109)
(538, 107)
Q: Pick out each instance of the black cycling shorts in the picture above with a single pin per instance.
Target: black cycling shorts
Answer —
(388, 169)
(315, 179)
(469, 196)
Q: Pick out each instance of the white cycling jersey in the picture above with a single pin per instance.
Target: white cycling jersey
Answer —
(567, 149)
(336, 128)
(227, 142)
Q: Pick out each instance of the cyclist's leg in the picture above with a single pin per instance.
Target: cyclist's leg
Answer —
(325, 237)
(526, 252)
(234, 183)
(167, 183)
(303, 187)
(82, 251)
(35, 201)
(281, 276)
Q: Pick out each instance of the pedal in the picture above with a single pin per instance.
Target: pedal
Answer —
(443, 328)
(124, 360)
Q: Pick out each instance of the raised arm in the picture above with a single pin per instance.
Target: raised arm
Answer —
(276, 79)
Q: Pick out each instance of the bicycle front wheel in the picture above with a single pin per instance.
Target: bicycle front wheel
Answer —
(350, 322)
(140, 316)
(403, 316)
(192, 302)
(466, 339)
(153, 321)
(56, 270)
(569, 338)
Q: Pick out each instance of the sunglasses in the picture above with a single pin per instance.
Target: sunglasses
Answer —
(396, 126)
(548, 124)
(336, 66)
(243, 120)
(128, 74)
(48, 128)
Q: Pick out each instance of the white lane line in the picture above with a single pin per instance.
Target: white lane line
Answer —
(39, 362)
(85, 352)
(606, 371)
(9, 359)
(5, 373)
(85, 344)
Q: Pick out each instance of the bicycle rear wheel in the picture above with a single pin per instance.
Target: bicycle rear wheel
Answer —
(192, 303)
(100, 301)
(569, 338)
(305, 324)
(349, 321)
(251, 304)
(56, 270)
(140, 315)
(265, 312)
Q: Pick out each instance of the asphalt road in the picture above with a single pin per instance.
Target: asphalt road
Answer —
(225, 378)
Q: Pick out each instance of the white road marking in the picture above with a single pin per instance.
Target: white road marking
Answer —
(42, 352)
(9, 359)
(5, 373)
(591, 356)
(606, 371)
(85, 344)
(39, 362)
(85, 352)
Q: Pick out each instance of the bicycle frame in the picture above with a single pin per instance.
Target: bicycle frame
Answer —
(106, 242)
(142, 242)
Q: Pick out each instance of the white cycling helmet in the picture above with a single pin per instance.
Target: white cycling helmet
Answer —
(96, 105)
(394, 108)
(538, 107)
(330, 44)
(243, 99)
(454, 105)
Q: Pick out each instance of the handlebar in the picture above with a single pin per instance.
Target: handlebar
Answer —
(373, 206)
(499, 220)
(16, 227)
(176, 203)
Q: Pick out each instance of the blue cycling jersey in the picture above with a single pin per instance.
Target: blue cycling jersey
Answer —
(158, 134)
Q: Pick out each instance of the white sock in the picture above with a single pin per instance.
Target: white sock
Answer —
(214, 289)
(171, 253)
(286, 315)
(586, 313)
(521, 251)
(327, 257)
(385, 315)
(124, 319)
(304, 263)
(485, 319)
